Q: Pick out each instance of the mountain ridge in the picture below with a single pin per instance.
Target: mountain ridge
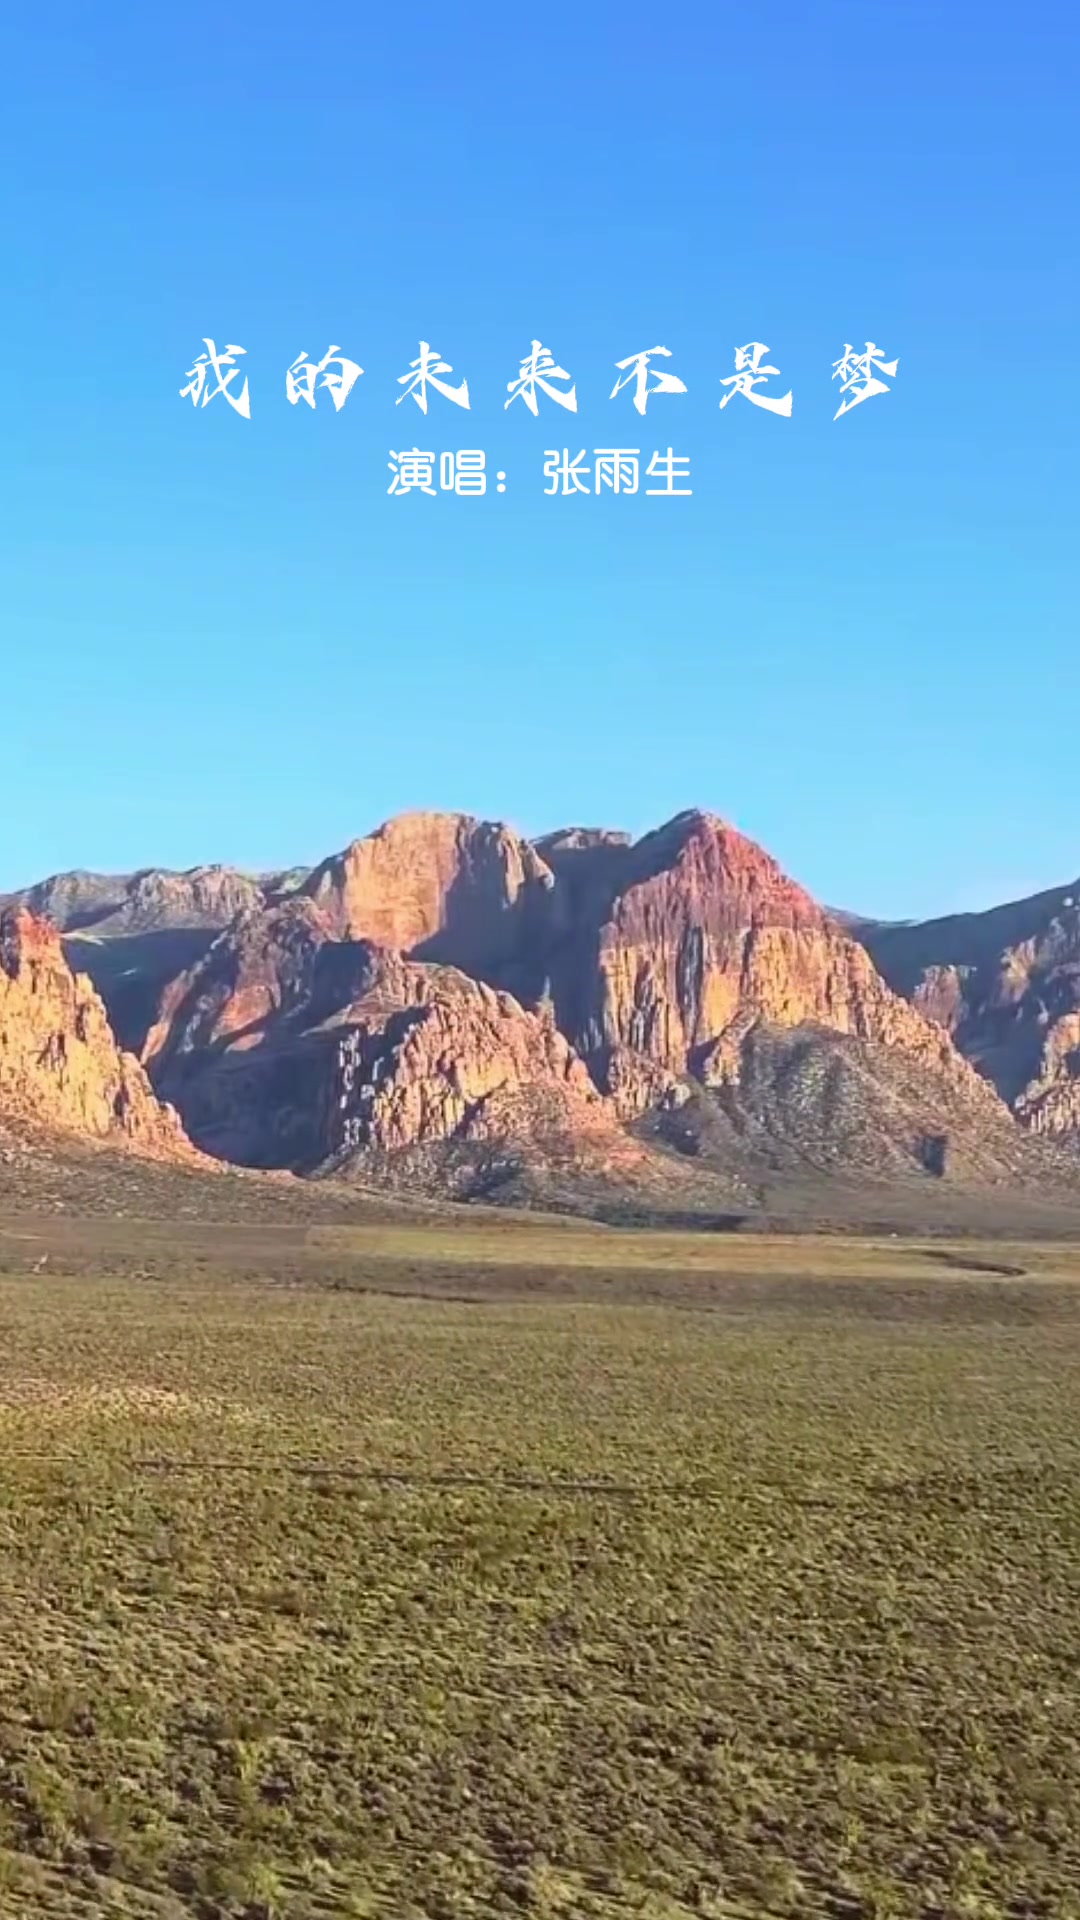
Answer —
(444, 998)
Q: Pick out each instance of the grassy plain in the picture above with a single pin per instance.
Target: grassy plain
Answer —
(445, 1568)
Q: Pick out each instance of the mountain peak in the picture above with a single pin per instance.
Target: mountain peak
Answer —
(443, 986)
(60, 1068)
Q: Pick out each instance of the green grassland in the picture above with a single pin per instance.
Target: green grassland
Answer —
(431, 1568)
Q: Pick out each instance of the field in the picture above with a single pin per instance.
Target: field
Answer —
(496, 1568)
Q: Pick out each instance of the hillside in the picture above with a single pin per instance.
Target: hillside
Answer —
(1005, 985)
(651, 1028)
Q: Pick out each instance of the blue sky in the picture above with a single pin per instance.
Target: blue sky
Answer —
(857, 639)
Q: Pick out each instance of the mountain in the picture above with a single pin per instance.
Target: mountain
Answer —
(686, 941)
(443, 985)
(292, 1045)
(113, 905)
(133, 932)
(289, 1042)
(1005, 986)
(668, 1025)
(61, 1070)
(441, 886)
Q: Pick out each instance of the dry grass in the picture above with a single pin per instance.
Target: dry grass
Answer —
(528, 1570)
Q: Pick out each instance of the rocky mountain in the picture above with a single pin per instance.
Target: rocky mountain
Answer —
(1005, 986)
(444, 984)
(687, 941)
(110, 906)
(289, 1043)
(781, 1101)
(134, 932)
(448, 1006)
(292, 1045)
(61, 1070)
(442, 886)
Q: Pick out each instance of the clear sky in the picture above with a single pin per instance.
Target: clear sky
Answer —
(222, 639)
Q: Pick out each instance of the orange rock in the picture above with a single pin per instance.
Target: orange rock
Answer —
(439, 886)
(60, 1067)
(285, 1045)
(444, 981)
(700, 936)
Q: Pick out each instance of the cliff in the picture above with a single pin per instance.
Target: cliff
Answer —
(1005, 986)
(60, 1067)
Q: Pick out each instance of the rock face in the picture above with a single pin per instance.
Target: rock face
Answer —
(438, 1056)
(109, 906)
(446, 1004)
(287, 1045)
(369, 1014)
(60, 1068)
(441, 886)
(691, 939)
(133, 933)
(1005, 986)
(810, 1096)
